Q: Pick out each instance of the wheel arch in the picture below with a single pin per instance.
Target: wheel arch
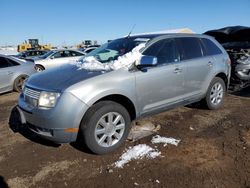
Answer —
(122, 100)
(40, 65)
(223, 76)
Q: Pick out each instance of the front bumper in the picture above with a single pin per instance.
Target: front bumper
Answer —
(52, 124)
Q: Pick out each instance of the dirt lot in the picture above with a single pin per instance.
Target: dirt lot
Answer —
(214, 152)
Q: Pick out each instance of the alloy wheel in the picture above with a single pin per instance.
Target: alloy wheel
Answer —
(216, 94)
(109, 129)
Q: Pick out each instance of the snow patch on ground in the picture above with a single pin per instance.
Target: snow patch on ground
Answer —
(137, 152)
(158, 139)
(125, 61)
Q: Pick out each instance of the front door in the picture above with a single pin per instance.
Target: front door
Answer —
(163, 85)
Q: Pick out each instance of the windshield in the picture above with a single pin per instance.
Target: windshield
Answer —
(46, 55)
(112, 50)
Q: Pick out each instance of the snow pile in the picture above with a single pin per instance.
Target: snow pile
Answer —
(137, 152)
(158, 139)
(8, 50)
(125, 61)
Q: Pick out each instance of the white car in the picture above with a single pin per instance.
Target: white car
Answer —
(56, 58)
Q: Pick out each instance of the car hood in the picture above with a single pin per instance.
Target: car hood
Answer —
(58, 79)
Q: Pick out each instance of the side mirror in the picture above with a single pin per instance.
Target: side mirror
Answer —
(52, 57)
(147, 61)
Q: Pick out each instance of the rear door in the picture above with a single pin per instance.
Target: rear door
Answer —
(199, 67)
(160, 86)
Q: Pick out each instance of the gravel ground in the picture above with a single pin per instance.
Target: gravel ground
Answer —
(214, 152)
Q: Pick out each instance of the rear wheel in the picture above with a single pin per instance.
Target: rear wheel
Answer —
(105, 127)
(19, 81)
(39, 68)
(215, 94)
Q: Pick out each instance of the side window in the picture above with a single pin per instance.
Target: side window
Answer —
(12, 63)
(32, 53)
(190, 47)
(165, 50)
(67, 54)
(73, 53)
(4, 62)
(58, 54)
(210, 47)
(42, 52)
(89, 50)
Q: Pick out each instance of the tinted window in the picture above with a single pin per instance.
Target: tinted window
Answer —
(190, 47)
(89, 50)
(12, 62)
(73, 53)
(62, 54)
(67, 54)
(58, 54)
(4, 63)
(210, 47)
(42, 52)
(165, 51)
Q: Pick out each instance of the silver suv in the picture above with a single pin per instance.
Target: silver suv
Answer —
(97, 105)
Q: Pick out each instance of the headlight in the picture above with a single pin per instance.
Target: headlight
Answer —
(48, 99)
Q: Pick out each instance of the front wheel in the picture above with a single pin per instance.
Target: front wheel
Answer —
(39, 68)
(105, 127)
(215, 94)
(19, 81)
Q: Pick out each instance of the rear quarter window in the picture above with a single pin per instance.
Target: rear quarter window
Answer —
(210, 48)
(189, 47)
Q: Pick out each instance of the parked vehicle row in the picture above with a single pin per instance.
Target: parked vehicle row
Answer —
(30, 54)
(96, 106)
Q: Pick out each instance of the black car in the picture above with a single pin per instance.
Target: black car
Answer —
(31, 53)
(236, 40)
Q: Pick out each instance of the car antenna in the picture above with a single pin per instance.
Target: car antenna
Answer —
(131, 31)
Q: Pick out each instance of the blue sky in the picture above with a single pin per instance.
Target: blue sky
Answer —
(71, 21)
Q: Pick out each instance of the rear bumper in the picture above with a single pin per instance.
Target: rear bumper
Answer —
(53, 124)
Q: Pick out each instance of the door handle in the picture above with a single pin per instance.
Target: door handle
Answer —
(177, 70)
(210, 64)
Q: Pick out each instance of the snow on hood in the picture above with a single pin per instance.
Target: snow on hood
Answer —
(125, 61)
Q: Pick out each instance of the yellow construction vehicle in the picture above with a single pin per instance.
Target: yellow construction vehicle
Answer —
(32, 44)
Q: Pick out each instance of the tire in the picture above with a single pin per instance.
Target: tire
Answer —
(215, 94)
(18, 83)
(95, 127)
(39, 68)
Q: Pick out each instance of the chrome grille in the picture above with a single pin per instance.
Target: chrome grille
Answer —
(31, 96)
(32, 93)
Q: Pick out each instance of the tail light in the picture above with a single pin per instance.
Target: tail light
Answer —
(228, 61)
